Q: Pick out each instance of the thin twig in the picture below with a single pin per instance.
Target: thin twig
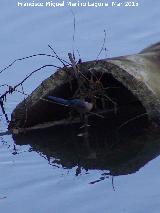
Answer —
(76, 70)
(93, 74)
(14, 87)
(132, 119)
(96, 114)
(113, 102)
(103, 44)
(74, 32)
(107, 88)
(27, 57)
(76, 73)
(107, 98)
(62, 61)
(3, 85)
(79, 54)
(102, 48)
(72, 60)
(3, 110)
(26, 110)
(113, 183)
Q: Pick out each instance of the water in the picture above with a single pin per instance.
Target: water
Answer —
(36, 177)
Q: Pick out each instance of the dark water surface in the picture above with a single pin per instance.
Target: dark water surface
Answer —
(54, 170)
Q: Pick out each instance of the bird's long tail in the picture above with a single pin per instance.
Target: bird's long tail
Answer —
(60, 101)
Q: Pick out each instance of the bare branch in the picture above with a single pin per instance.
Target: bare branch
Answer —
(9, 86)
(27, 57)
(103, 45)
(56, 56)
(26, 110)
(74, 31)
(3, 111)
(79, 54)
(73, 65)
(113, 183)
(14, 87)
(132, 119)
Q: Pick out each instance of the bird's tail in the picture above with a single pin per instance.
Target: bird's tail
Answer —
(60, 101)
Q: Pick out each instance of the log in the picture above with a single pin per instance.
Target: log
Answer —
(136, 76)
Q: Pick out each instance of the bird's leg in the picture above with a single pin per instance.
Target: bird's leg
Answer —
(71, 116)
(82, 118)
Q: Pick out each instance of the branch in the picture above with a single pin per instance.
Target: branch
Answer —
(20, 83)
(132, 119)
(74, 32)
(11, 89)
(27, 57)
(56, 56)
(103, 44)
(3, 111)
(73, 63)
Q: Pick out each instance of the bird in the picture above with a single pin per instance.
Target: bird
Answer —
(81, 106)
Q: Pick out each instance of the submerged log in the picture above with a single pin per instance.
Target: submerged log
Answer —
(134, 79)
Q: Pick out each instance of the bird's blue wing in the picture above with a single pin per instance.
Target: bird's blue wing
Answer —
(60, 101)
